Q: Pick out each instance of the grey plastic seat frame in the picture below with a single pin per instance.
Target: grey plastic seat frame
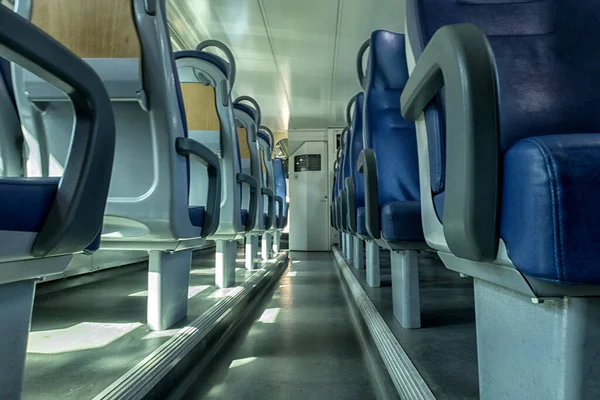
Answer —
(269, 205)
(521, 322)
(255, 169)
(148, 202)
(75, 216)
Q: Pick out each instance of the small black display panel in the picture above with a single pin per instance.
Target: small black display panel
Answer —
(307, 162)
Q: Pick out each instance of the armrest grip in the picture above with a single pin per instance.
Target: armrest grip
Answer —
(253, 183)
(190, 147)
(279, 201)
(77, 211)
(351, 203)
(367, 165)
(460, 59)
(270, 205)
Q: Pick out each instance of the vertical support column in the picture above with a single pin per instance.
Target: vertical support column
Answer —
(16, 299)
(267, 244)
(168, 286)
(251, 251)
(225, 263)
(359, 253)
(373, 271)
(350, 248)
(276, 242)
(405, 288)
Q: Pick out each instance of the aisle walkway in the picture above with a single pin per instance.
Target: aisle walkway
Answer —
(302, 345)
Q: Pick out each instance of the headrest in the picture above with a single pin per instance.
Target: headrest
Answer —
(247, 109)
(387, 67)
(262, 135)
(202, 55)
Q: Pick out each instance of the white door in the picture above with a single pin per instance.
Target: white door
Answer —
(309, 189)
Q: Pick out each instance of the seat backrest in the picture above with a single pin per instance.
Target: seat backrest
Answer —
(356, 146)
(212, 78)
(544, 58)
(385, 130)
(148, 197)
(265, 141)
(248, 120)
(280, 187)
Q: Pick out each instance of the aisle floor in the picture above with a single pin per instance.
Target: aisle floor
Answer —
(302, 344)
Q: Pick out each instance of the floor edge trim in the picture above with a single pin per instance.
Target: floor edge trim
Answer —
(144, 376)
(406, 378)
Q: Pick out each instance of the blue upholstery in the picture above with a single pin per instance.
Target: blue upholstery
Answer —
(196, 215)
(549, 207)
(202, 55)
(26, 202)
(355, 148)
(265, 137)
(392, 138)
(244, 214)
(95, 244)
(547, 65)
(248, 110)
(361, 221)
(401, 221)
(280, 185)
(534, 44)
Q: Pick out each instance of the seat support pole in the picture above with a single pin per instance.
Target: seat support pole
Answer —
(405, 288)
(251, 251)
(536, 351)
(359, 253)
(16, 300)
(350, 248)
(225, 263)
(373, 270)
(168, 286)
(267, 245)
(277, 242)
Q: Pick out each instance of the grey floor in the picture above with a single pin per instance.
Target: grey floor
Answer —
(84, 338)
(444, 350)
(302, 344)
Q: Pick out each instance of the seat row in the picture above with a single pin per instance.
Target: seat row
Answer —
(476, 138)
(134, 148)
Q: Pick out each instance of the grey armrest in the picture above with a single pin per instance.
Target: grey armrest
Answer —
(460, 59)
(190, 147)
(367, 165)
(77, 212)
(350, 203)
(280, 202)
(344, 209)
(253, 184)
(270, 205)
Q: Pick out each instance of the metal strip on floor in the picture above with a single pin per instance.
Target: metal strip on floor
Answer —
(141, 379)
(407, 380)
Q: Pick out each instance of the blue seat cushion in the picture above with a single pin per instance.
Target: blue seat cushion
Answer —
(196, 215)
(361, 221)
(401, 221)
(26, 202)
(549, 214)
(202, 55)
(244, 214)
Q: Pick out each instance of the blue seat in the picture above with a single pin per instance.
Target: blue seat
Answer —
(356, 188)
(280, 191)
(509, 188)
(393, 141)
(25, 202)
(197, 215)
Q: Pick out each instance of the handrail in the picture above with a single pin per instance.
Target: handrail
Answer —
(77, 211)
(221, 46)
(359, 62)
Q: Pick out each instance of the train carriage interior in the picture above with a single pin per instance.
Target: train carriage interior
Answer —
(318, 199)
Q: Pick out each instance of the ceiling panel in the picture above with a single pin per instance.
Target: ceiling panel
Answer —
(303, 35)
